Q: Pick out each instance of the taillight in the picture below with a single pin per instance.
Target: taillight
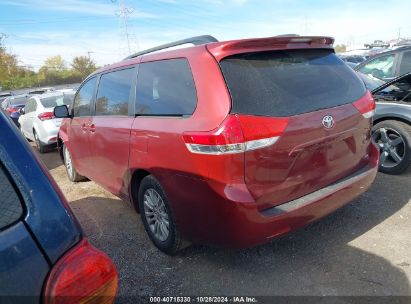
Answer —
(83, 275)
(46, 115)
(238, 133)
(365, 105)
(11, 110)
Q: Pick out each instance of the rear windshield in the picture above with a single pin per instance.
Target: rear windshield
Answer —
(290, 82)
(51, 102)
(18, 101)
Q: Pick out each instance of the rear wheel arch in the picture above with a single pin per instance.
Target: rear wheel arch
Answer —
(136, 178)
(395, 118)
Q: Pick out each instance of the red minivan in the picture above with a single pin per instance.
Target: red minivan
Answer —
(224, 143)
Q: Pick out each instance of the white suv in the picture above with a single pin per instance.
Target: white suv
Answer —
(37, 121)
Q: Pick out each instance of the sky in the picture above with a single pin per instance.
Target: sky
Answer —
(37, 29)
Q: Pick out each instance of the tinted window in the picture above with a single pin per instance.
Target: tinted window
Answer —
(114, 93)
(405, 66)
(18, 101)
(51, 102)
(381, 67)
(285, 83)
(82, 102)
(10, 205)
(165, 87)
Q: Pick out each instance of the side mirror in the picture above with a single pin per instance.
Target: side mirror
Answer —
(61, 112)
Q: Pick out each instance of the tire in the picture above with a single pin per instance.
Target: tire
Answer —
(42, 148)
(68, 163)
(154, 207)
(394, 141)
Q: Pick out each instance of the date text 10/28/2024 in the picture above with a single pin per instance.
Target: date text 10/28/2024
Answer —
(239, 299)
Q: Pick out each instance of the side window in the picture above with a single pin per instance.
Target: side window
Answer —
(381, 67)
(165, 87)
(114, 92)
(30, 106)
(82, 101)
(10, 205)
(405, 66)
(27, 107)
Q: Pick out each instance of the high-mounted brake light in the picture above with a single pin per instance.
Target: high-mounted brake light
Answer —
(83, 275)
(46, 116)
(365, 105)
(238, 133)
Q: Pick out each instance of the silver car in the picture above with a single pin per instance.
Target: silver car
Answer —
(37, 122)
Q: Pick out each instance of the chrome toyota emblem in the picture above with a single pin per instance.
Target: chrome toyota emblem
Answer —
(328, 122)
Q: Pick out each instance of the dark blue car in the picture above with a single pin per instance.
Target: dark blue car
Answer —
(13, 104)
(44, 257)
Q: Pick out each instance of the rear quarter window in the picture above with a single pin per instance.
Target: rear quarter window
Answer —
(10, 204)
(165, 87)
(289, 82)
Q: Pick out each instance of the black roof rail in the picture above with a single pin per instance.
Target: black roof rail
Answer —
(193, 40)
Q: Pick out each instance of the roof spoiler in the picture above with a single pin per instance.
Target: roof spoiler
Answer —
(226, 48)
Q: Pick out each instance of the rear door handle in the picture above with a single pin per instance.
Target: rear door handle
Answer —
(92, 128)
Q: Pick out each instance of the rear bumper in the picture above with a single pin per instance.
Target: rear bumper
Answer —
(47, 132)
(237, 223)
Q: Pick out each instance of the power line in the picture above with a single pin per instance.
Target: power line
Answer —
(28, 21)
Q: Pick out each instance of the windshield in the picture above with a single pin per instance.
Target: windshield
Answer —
(289, 82)
(51, 102)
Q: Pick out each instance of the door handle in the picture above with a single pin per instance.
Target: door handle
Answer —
(92, 128)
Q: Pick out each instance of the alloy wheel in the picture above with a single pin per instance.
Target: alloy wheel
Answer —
(37, 140)
(156, 214)
(391, 145)
(67, 159)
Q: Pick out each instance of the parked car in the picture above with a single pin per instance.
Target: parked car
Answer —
(41, 90)
(392, 122)
(13, 105)
(68, 90)
(4, 95)
(44, 255)
(37, 121)
(387, 65)
(213, 144)
(377, 43)
(352, 60)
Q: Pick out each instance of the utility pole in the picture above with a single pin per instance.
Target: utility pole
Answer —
(123, 13)
(399, 34)
(2, 37)
(306, 25)
(88, 54)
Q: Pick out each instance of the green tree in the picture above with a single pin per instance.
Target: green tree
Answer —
(83, 65)
(340, 48)
(8, 67)
(55, 62)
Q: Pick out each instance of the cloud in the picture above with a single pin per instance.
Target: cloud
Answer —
(78, 6)
(346, 22)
